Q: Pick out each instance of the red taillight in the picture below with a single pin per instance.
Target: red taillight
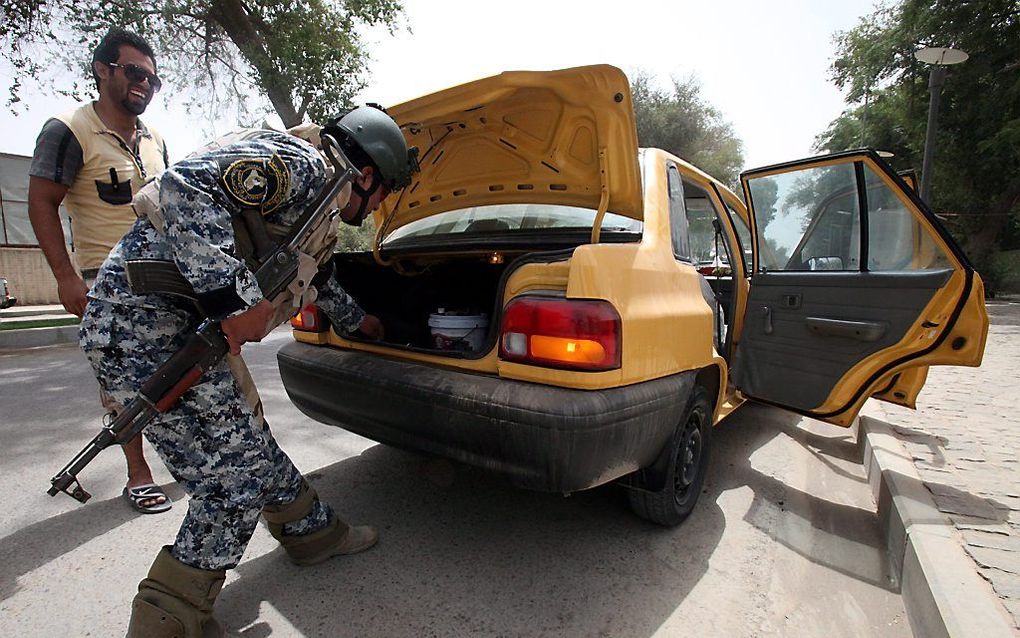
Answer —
(309, 319)
(583, 334)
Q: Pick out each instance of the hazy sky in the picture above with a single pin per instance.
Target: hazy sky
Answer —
(764, 65)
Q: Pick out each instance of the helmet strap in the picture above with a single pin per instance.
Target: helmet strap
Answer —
(365, 194)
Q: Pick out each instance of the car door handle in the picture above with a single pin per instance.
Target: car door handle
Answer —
(860, 330)
(767, 313)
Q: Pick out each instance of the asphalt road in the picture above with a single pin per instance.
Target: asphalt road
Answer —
(784, 540)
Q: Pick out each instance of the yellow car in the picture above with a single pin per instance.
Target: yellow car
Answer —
(566, 309)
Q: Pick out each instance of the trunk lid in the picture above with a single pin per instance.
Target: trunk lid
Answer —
(538, 137)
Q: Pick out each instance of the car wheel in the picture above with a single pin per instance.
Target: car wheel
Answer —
(685, 473)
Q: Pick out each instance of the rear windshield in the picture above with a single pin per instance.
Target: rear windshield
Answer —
(511, 218)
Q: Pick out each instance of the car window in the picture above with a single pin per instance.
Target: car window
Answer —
(706, 248)
(808, 219)
(896, 241)
(678, 229)
(743, 237)
(511, 218)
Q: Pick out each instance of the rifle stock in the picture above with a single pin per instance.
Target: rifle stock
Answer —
(204, 349)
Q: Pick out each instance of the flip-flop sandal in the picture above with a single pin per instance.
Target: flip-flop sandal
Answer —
(140, 493)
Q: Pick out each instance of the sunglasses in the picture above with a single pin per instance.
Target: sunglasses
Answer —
(136, 74)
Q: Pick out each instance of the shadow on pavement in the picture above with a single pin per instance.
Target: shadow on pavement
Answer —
(854, 545)
(462, 553)
(36, 545)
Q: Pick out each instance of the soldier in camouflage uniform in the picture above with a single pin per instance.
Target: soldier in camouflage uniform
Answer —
(214, 440)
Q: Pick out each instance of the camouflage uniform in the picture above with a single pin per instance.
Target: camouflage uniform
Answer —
(213, 441)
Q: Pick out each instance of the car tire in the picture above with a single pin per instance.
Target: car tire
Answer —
(685, 473)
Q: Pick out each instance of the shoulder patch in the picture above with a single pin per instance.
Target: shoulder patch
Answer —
(257, 182)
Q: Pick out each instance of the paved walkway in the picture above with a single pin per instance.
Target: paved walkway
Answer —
(965, 441)
(33, 326)
(20, 313)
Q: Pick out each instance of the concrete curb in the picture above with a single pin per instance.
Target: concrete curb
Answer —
(942, 591)
(32, 311)
(35, 337)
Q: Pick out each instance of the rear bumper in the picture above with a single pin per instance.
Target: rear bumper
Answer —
(540, 437)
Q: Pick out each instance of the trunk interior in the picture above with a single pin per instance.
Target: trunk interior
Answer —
(406, 296)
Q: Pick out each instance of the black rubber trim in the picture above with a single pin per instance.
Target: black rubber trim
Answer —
(862, 204)
(504, 240)
(809, 160)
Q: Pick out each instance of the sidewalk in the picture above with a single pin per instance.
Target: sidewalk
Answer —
(33, 326)
(964, 443)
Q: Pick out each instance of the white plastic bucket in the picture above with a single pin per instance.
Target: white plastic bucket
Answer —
(458, 332)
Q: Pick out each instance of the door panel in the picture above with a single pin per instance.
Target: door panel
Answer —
(856, 289)
(783, 357)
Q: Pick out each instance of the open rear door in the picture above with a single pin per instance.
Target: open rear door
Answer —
(856, 289)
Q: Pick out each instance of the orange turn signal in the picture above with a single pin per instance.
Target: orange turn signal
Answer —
(567, 350)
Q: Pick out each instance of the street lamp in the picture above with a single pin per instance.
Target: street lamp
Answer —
(939, 58)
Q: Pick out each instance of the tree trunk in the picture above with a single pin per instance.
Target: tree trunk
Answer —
(231, 16)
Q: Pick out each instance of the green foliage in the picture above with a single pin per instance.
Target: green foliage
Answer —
(351, 239)
(305, 56)
(678, 120)
(1005, 267)
(976, 178)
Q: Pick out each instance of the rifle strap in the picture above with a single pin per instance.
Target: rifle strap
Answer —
(158, 276)
(162, 277)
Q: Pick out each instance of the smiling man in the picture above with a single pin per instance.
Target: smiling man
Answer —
(94, 159)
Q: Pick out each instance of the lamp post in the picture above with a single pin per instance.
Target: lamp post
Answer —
(939, 58)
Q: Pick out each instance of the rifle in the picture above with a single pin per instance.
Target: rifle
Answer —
(207, 346)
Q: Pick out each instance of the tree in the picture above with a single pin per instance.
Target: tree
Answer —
(976, 178)
(304, 56)
(678, 120)
(355, 239)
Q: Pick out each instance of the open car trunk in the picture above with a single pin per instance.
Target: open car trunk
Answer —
(456, 293)
(446, 296)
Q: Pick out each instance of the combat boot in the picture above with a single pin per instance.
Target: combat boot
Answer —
(335, 539)
(176, 601)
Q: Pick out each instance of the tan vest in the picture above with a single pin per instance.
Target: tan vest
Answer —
(100, 208)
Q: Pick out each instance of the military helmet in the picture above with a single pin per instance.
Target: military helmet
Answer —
(380, 138)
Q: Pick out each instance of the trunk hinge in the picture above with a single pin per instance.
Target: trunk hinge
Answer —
(381, 232)
(596, 230)
(378, 240)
